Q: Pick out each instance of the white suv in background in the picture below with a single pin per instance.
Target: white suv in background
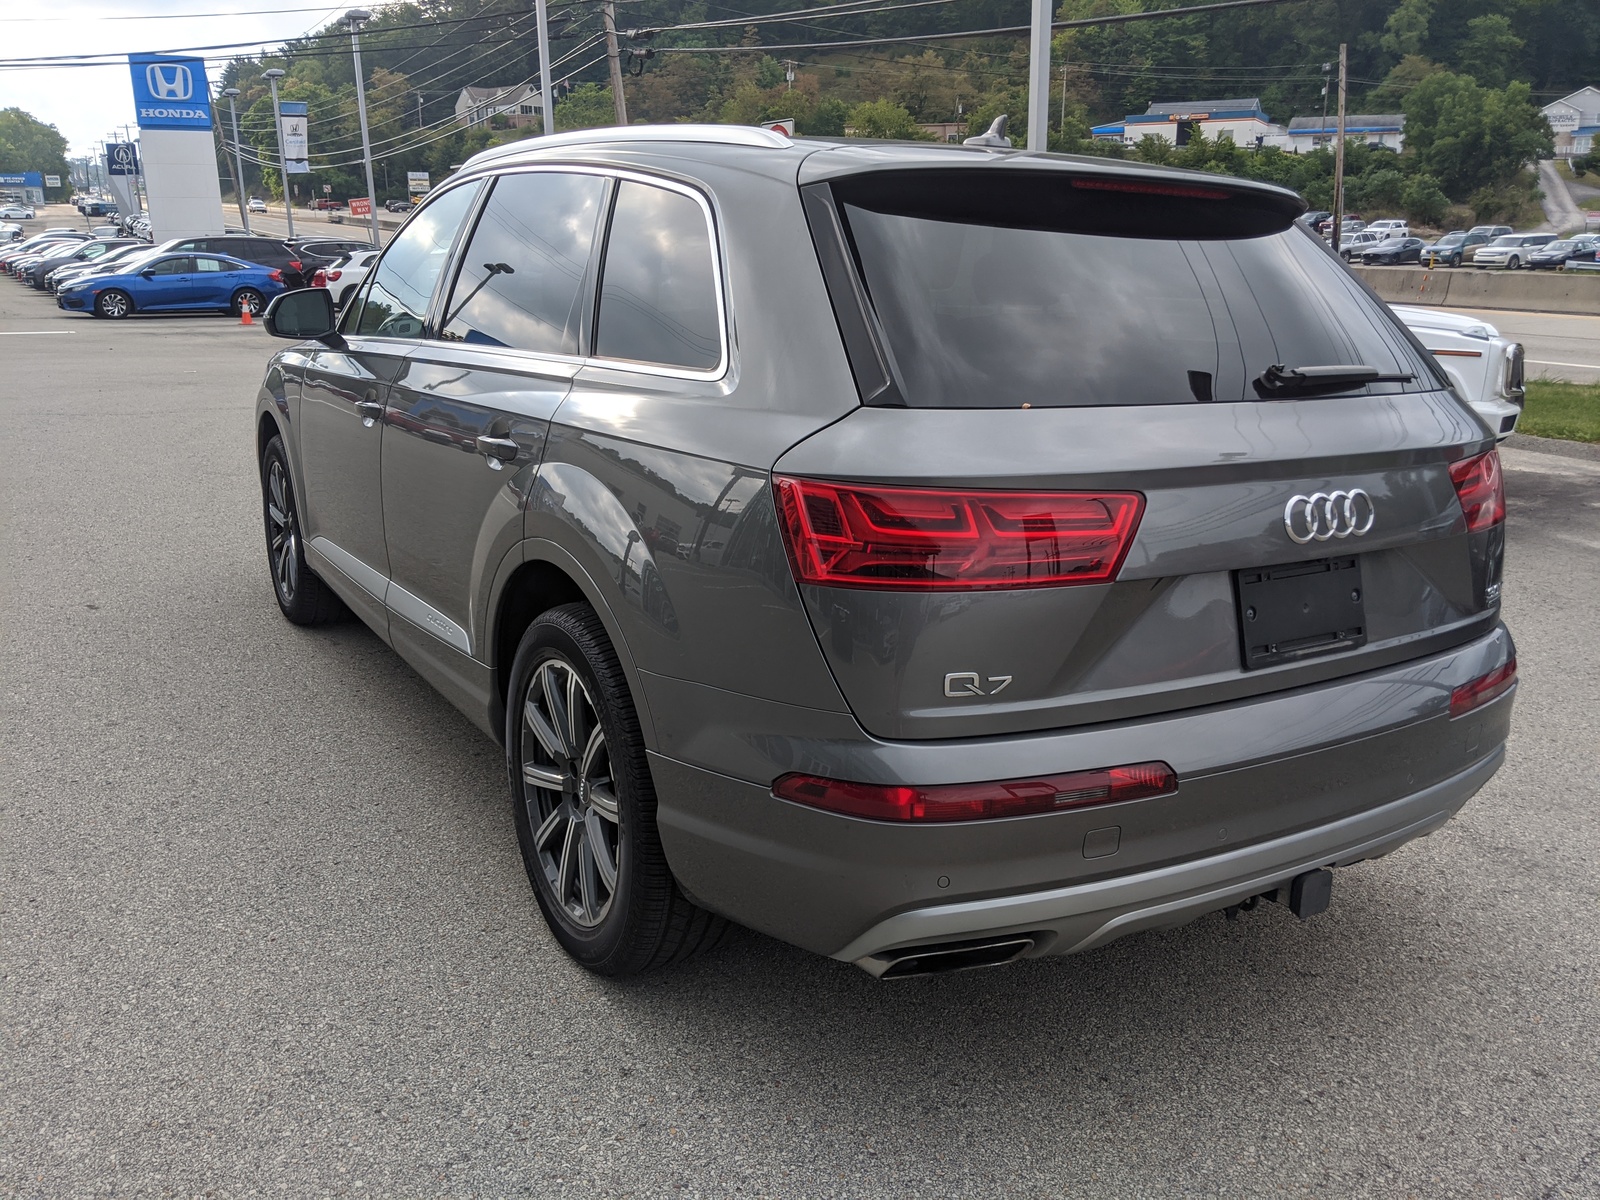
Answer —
(1392, 227)
(1486, 368)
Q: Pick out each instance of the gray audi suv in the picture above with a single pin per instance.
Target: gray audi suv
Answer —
(930, 556)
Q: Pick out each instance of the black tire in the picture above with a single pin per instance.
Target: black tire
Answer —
(1513, 263)
(258, 302)
(594, 815)
(301, 594)
(344, 296)
(1455, 260)
(113, 304)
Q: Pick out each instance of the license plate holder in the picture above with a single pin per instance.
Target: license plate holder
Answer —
(1294, 611)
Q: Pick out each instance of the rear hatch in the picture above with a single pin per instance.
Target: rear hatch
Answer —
(1077, 491)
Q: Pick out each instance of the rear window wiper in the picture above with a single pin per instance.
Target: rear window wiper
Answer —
(1279, 382)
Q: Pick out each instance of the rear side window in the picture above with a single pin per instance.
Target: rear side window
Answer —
(396, 305)
(1002, 298)
(658, 290)
(521, 278)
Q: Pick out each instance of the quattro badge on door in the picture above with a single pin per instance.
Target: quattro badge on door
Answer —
(1324, 515)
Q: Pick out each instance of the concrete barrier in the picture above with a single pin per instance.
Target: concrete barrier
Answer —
(1466, 287)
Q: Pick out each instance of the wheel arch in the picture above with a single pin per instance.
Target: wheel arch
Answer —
(542, 577)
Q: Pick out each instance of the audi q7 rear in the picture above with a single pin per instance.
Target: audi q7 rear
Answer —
(1024, 552)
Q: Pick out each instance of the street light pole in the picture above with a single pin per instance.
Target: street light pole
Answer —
(1039, 76)
(547, 95)
(272, 77)
(238, 156)
(353, 18)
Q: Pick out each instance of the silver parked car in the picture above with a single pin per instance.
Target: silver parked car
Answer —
(900, 550)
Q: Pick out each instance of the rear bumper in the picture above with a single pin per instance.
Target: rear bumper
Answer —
(1269, 787)
(1069, 919)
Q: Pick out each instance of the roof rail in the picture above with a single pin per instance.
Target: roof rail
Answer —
(727, 135)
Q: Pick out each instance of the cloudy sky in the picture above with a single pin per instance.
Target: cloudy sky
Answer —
(85, 103)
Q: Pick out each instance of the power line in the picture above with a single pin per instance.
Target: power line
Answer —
(997, 31)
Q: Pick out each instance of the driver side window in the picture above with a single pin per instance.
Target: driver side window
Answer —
(396, 302)
(173, 266)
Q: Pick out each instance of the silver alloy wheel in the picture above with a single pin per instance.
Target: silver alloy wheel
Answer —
(114, 304)
(282, 538)
(570, 793)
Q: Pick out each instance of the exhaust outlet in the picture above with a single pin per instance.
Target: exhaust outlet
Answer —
(947, 957)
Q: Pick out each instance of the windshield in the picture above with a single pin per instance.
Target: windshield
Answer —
(979, 315)
(1506, 241)
(1561, 245)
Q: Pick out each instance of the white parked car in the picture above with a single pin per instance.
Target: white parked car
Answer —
(1390, 227)
(1352, 244)
(344, 275)
(1511, 250)
(1487, 369)
(256, 204)
(15, 212)
(10, 232)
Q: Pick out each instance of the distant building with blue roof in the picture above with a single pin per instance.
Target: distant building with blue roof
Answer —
(1244, 122)
(1575, 120)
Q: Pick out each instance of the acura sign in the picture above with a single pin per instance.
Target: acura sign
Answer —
(170, 92)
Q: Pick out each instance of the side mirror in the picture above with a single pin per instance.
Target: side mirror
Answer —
(147, 274)
(301, 314)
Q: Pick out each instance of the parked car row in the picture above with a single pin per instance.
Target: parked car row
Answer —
(115, 277)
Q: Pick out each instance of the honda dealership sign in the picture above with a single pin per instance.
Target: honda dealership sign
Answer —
(293, 116)
(172, 102)
(170, 93)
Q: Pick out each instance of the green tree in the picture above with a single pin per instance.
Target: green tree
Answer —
(28, 144)
(885, 119)
(587, 106)
(1423, 200)
(1470, 137)
(1492, 52)
(1407, 28)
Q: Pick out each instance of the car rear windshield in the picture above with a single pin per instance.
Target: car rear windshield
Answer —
(1039, 291)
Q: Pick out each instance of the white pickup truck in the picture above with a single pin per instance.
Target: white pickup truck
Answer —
(1487, 369)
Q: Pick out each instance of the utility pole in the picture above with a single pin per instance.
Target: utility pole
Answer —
(547, 95)
(608, 13)
(238, 156)
(788, 74)
(1063, 100)
(353, 18)
(1338, 154)
(272, 77)
(1327, 79)
(1039, 75)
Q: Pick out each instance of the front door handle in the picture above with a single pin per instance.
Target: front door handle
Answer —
(370, 411)
(498, 450)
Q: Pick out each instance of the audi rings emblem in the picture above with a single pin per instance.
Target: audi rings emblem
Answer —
(1324, 515)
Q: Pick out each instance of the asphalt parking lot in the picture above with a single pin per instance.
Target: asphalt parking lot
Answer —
(264, 929)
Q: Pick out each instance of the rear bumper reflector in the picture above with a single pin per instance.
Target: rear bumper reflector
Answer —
(979, 801)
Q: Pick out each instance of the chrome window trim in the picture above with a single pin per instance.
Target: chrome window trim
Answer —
(719, 277)
(445, 272)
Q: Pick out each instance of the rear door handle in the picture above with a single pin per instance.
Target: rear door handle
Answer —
(498, 450)
(370, 411)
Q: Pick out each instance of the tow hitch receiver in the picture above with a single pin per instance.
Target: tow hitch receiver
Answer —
(1305, 896)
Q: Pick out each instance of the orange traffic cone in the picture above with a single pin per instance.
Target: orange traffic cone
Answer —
(244, 312)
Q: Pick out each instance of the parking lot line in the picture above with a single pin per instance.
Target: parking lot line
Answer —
(1541, 362)
(36, 332)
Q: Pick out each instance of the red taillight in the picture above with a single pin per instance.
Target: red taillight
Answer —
(1484, 688)
(979, 801)
(275, 275)
(319, 279)
(296, 264)
(333, 276)
(1481, 489)
(864, 536)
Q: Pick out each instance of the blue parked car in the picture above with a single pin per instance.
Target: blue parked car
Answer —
(176, 283)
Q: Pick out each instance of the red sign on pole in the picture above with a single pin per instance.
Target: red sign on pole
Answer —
(360, 206)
